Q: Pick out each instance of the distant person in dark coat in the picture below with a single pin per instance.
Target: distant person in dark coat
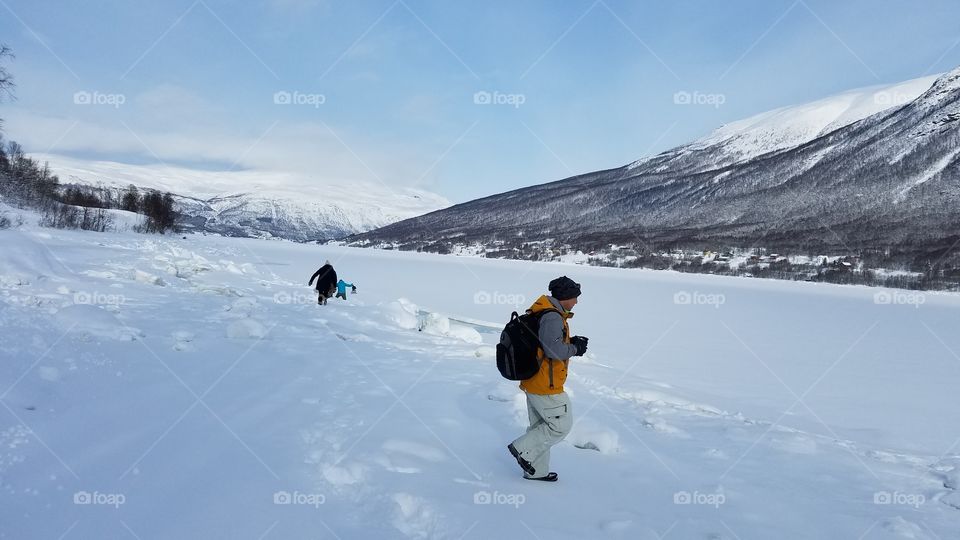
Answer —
(326, 278)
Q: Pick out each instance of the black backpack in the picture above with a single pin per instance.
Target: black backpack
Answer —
(517, 350)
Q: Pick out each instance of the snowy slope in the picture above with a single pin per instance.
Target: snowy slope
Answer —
(252, 203)
(886, 181)
(158, 387)
(792, 126)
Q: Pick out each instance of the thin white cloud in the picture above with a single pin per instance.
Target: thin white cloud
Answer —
(307, 149)
(291, 187)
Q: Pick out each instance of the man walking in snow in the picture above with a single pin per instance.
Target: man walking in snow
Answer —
(326, 278)
(548, 406)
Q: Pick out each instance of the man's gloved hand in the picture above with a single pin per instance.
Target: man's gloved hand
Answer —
(580, 343)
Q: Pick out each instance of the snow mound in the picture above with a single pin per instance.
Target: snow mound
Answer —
(242, 306)
(246, 329)
(439, 325)
(222, 290)
(587, 435)
(148, 278)
(403, 313)
(94, 321)
(464, 333)
(28, 263)
(187, 264)
(435, 324)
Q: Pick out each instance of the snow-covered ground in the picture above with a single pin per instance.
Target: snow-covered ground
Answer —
(168, 387)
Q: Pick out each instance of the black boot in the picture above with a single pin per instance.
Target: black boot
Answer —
(524, 464)
(551, 477)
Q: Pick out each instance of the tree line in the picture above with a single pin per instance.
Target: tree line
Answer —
(26, 183)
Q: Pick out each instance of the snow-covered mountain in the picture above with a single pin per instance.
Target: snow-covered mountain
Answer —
(889, 180)
(789, 127)
(258, 204)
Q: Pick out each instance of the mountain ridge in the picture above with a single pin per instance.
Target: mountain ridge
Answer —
(888, 180)
(256, 204)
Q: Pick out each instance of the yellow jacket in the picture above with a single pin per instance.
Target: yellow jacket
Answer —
(553, 371)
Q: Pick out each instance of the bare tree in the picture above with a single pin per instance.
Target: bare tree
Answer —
(6, 79)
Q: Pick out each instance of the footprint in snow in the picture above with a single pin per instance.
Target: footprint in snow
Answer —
(343, 475)
(661, 426)
(407, 457)
(628, 528)
(906, 529)
(415, 518)
(715, 453)
(357, 338)
(947, 471)
(181, 340)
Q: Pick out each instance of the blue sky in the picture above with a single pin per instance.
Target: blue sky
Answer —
(577, 85)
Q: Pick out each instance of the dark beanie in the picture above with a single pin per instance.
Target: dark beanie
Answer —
(564, 288)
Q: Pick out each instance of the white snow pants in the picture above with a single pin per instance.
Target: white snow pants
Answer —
(550, 421)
